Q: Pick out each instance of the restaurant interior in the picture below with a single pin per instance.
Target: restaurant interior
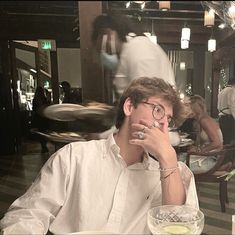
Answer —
(43, 43)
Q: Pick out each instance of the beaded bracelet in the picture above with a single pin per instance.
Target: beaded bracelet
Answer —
(168, 169)
(164, 177)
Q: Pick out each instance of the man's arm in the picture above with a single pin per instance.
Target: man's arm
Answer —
(33, 212)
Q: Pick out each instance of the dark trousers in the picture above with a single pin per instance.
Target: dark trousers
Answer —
(227, 126)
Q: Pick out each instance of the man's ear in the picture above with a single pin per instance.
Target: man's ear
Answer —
(128, 107)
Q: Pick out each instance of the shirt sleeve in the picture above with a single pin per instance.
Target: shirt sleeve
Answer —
(189, 185)
(33, 212)
(232, 102)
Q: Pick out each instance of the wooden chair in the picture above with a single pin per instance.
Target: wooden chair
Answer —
(215, 172)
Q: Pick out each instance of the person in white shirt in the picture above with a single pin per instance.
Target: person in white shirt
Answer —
(226, 108)
(110, 184)
(128, 58)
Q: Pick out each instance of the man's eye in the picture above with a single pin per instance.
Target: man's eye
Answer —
(158, 109)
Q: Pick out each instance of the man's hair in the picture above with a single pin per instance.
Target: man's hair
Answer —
(142, 89)
(121, 24)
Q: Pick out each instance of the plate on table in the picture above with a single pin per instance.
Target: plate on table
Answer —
(61, 112)
(91, 112)
(184, 135)
(66, 136)
(184, 140)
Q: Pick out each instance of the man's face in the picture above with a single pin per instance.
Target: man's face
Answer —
(145, 111)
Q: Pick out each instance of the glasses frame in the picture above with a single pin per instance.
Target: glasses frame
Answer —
(154, 106)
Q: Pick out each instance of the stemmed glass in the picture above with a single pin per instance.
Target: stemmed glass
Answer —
(172, 219)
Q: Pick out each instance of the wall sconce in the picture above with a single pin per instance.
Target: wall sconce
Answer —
(184, 44)
(185, 34)
(164, 5)
(209, 18)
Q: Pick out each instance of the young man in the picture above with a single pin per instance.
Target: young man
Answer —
(109, 185)
(128, 59)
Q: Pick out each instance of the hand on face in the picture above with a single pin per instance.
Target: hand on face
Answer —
(155, 139)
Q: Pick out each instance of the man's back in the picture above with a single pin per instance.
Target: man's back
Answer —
(142, 58)
(224, 100)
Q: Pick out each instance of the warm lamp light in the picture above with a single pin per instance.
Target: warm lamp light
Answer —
(164, 5)
(153, 38)
(211, 44)
(185, 34)
(184, 44)
(209, 18)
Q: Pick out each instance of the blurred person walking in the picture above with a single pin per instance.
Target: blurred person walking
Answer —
(40, 101)
(128, 58)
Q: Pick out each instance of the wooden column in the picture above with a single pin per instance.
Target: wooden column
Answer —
(91, 71)
(54, 77)
(215, 90)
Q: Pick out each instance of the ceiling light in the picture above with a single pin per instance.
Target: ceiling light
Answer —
(222, 25)
(225, 10)
(209, 18)
(128, 4)
(182, 65)
(142, 5)
(185, 34)
(231, 11)
(211, 44)
(164, 5)
(184, 44)
(153, 38)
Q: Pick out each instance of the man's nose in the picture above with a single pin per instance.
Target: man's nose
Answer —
(164, 121)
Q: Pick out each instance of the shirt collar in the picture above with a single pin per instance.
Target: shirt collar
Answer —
(147, 163)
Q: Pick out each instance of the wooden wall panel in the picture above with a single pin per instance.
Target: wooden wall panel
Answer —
(92, 74)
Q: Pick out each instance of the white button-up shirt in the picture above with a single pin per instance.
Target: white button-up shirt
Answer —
(88, 186)
(226, 101)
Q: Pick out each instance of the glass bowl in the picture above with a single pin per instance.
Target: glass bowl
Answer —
(172, 219)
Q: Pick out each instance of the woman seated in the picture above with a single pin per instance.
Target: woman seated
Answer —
(209, 137)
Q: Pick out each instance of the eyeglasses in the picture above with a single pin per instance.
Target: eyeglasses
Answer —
(159, 113)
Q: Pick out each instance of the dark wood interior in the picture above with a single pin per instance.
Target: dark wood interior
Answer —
(69, 24)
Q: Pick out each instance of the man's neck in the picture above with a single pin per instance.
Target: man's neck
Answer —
(131, 154)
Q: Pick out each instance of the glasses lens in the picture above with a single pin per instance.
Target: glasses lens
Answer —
(158, 112)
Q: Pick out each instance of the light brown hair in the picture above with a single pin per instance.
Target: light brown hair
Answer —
(142, 89)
